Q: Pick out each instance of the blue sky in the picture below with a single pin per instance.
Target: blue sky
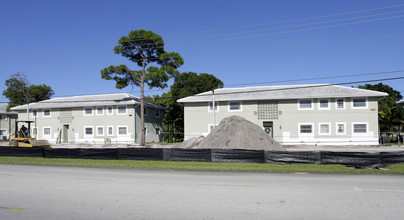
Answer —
(65, 44)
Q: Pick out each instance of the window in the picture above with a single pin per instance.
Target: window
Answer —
(157, 113)
(340, 128)
(359, 128)
(158, 131)
(305, 105)
(323, 104)
(121, 110)
(145, 111)
(210, 107)
(100, 131)
(324, 128)
(359, 103)
(47, 131)
(46, 113)
(109, 110)
(100, 110)
(2, 132)
(110, 130)
(88, 111)
(3, 117)
(340, 104)
(234, 106)
(122, 130)
(306, 128)
(88, 131)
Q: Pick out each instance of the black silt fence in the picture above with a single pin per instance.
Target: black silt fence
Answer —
(22, 151)
(201, 155)
(285, 157)
(350, 159)
(141, 154)
(238, 156)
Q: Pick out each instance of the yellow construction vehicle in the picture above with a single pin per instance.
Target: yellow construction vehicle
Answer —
(22, 137)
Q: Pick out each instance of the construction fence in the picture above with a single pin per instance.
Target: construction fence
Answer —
(350, 159)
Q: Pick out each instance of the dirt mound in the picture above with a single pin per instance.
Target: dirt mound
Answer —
(236, 133)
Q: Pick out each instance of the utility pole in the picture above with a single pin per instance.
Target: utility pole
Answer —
(213, 108)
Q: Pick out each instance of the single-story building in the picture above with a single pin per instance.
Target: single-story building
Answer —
(292, 114)
(7, 122)
(107, 118)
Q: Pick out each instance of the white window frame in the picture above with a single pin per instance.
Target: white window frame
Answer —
(361, 107)
(306, 134)
(237, 110)
(89, 135)
(112, 110)
(210, 106)
(157, 132)
(305, 109)
(122, 126)
(121, 106)
(336, 128)
(343, 102)
(85, 112)
(46, 116)
(112, 130)
(102, 110)
(103, 131)
(328, 104)
(47, 135)
(360, 133)
(157, 113)
(324, 123)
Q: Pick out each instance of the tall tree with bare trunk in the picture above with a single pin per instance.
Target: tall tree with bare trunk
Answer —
(143, 48)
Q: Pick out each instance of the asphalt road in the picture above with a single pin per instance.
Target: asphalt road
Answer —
(45, 192)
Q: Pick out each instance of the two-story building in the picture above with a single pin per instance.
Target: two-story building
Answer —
(7, 122)
(294, 114)
(107, 118)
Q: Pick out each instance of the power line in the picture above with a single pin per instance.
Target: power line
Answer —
(296, 80)
(299, 87)
(293, 20)
(298, 30)
(278, 22)
(255, 91)
(281, 46)
(291, 26)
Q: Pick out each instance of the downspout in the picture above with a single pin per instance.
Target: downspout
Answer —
(213, 108)
(135, 115)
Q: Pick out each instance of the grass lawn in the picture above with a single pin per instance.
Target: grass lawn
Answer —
(200, 166)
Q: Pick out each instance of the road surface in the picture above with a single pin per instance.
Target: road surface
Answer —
(46, 192)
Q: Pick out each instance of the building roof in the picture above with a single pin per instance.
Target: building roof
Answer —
(3, 109)
(87, 101)
(401, 102)
(283, 92)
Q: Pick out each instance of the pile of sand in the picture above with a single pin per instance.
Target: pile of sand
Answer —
(235, 132)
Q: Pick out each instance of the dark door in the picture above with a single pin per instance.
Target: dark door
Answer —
(269, 127)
